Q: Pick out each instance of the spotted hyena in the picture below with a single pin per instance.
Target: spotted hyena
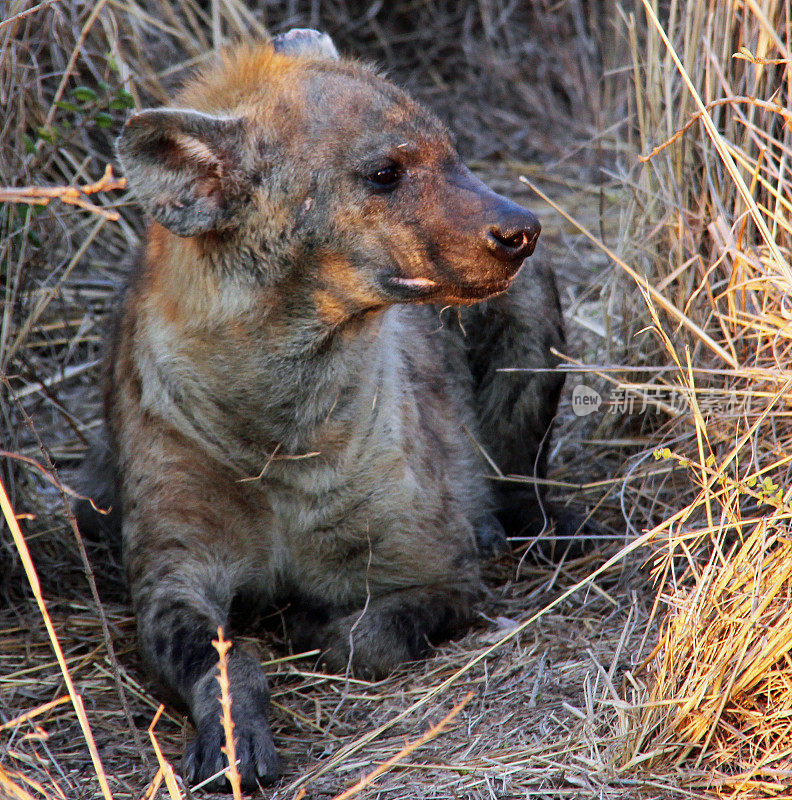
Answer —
(303, 378)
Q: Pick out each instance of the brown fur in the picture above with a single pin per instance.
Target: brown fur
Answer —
(290, 413)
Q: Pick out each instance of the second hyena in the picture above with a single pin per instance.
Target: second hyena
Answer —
(304, 375)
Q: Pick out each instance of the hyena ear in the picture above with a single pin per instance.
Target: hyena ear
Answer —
(183, 167)
(305, 42)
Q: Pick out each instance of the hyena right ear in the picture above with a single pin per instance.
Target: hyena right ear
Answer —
(305, 42)
(182, 166)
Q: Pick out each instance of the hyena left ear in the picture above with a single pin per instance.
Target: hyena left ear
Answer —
(182, 166)
(305, 42)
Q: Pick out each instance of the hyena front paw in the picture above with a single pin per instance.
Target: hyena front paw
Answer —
(376, 648)
(395, 628)
(255, 752)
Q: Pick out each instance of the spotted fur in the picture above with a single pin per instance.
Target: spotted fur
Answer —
(304, 372)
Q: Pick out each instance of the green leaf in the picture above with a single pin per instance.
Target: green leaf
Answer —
(103, 120)
(84, 94)
(47, 134)
(768, 485)
(67, 106)
(126, 98)
(30, 145)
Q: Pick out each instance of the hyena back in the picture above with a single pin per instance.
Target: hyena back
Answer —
(292, 410)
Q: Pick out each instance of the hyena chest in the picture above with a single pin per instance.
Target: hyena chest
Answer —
(388, 479)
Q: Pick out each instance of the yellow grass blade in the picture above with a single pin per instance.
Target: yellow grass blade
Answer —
(32, 577)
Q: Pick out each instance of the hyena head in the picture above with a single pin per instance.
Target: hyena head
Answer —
(292, 164)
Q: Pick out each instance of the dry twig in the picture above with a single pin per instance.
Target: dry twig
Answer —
(76, 699)
(165, 770)
(71, 195)
(434, 730)
(222, 646)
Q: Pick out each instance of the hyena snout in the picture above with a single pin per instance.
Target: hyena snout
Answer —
(497, 234)
(505, 229)
(513, 238)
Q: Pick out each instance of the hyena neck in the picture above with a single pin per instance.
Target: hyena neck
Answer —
(314, 373)
(280, 298)
(263, 379)
(262, 358)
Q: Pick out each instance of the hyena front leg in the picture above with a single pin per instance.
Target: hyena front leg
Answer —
(515, 410)
(179, 603)
(183, 551)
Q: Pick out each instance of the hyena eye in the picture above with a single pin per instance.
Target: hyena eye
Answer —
(385, 178)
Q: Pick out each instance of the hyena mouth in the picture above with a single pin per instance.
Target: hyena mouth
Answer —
(413, 283)
(427, 290)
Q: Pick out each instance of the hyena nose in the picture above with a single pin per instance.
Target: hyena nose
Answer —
(516, 240)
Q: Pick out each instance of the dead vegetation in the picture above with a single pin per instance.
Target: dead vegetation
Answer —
(712, 116)
(661, 132)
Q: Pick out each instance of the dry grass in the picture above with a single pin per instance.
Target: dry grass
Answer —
(712, 202)
(676, 279)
